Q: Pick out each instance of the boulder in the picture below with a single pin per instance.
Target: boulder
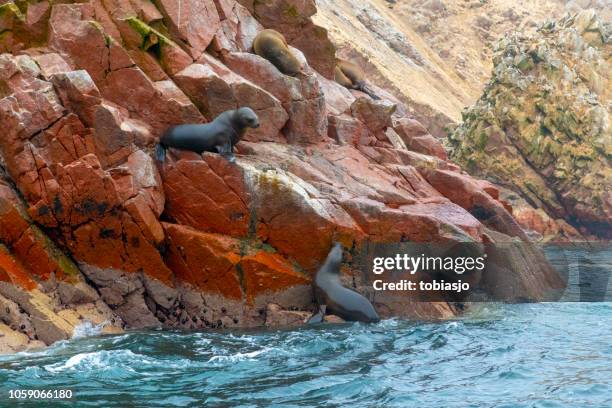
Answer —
(416, 137)
(138, 34)
(277, 317)
(238, 28)
(78, 93)
(464, 191)
(193, 22)
(376, 115)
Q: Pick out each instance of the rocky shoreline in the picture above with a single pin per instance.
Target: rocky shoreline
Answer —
(94, 231)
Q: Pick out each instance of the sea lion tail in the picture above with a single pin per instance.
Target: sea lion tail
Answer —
(160, 152)
(366, 89)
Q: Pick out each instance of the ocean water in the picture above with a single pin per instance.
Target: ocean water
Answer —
(522, 355)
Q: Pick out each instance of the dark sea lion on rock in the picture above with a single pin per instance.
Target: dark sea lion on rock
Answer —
(351, 76)
(271, 45)
(220, 135)
(334, 298)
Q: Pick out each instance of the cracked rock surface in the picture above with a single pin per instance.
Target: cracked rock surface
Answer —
(92, 229)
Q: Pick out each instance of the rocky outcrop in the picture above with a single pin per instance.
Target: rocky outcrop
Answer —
(294, 20)
(542, 126)
(93, 230)
(43, 296)
(434, 55)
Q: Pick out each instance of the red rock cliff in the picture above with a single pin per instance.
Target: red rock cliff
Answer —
(92, 229)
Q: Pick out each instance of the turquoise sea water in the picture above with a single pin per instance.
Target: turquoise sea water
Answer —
(528, 355)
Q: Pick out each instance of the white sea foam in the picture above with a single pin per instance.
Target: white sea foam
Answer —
(238, 356)
(389, 323)
(73, 362)
(452, 325)
(94, 360)
(87, 329)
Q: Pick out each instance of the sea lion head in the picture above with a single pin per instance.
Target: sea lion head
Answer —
(334, 258)
(246, 117)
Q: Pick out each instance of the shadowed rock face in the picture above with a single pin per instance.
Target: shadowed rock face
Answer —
(93, 230)
(542, 126)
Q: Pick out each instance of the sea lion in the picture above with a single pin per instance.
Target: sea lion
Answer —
(351, 76)
(271, 45)
(334, 298)
(220, 135)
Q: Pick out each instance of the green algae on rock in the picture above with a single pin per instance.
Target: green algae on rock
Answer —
(171, 57)
(542, 125)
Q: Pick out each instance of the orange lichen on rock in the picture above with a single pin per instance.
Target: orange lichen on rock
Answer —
(266, 272)
(206, 261)
(27, 242)
(30, 249)
(12, 271)
(230, 267)
(116, 241)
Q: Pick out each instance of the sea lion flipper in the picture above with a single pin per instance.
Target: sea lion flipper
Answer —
(225, 147)
(226, 150)
(318, 316)
(160, 152)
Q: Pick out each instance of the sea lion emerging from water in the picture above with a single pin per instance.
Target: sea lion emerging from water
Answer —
(335, 298)
(220, 135)
(351, 76)
(271, 45)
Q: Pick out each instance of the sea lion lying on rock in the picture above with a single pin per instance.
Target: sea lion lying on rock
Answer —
(271, 45)
(351, 76)
(220, 135)
(334, 298)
